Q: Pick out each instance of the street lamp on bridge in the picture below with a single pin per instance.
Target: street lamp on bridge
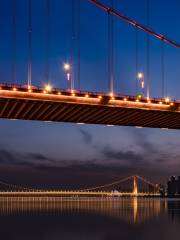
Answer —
(67, 68)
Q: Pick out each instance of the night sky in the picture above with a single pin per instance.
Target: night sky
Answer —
(58, 154)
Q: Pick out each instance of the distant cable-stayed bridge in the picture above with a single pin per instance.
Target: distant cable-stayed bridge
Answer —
(27, 102)
(133, 186)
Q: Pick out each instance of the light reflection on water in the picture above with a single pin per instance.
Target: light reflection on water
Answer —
(130, 209)
(89, 218)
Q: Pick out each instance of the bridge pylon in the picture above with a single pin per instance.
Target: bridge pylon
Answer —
(135, 186)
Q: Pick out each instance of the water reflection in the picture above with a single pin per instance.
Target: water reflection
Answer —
(174, 210)
(89, 218)
(133, 210)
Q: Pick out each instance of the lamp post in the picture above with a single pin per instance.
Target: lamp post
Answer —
(67, 68)
(141, 83)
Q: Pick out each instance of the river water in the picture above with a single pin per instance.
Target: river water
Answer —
(89, 218)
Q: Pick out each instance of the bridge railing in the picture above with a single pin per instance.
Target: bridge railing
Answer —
(79, 93)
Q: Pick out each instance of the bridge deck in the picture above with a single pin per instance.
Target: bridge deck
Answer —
(91, 109)
(75, 194)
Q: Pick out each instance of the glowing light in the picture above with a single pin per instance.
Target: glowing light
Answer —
(125, 99)
(149, 101)
(111, 94)
(160, 102)
(140, 75)
(29, 90)
(29, 87)
(142, 84)
(48, 88)
(80, 123)
(171, 104)
(100, 97)
(67, 66)
(73, 94)
(135, 187)
(112, 98)
(139, 96)
(14, 89)
(44, 91)
(86, 95)
(59, 93)
(167, 99)
(68, 76)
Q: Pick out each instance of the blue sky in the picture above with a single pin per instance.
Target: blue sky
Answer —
(51, 153)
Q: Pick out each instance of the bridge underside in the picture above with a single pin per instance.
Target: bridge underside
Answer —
(78, 109)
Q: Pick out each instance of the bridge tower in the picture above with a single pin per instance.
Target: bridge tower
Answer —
(135, 186)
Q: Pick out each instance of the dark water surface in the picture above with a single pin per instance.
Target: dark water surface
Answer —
(89, 219)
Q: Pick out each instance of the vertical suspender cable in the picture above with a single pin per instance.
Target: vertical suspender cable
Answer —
(148, 54)
(29, 43)
(109, 62)
(111, 50)
(72, 44)
(79, 44)
(14, 42)
(137, 60)
(162, 68)
(47, 68)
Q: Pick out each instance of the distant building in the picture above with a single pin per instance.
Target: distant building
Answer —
(173, 187)
(178, 185)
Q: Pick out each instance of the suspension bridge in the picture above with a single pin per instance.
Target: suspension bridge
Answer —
(133, 186)
(28, 102)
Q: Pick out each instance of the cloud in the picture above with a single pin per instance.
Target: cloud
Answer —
(38, 156)
(128, 156)
(74, 173)
(81, 175)
(10, 157)
(87, 137)
(141, 139)
(142, 153)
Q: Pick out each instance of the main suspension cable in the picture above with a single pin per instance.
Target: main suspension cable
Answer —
(134, 23)
(108, 185)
